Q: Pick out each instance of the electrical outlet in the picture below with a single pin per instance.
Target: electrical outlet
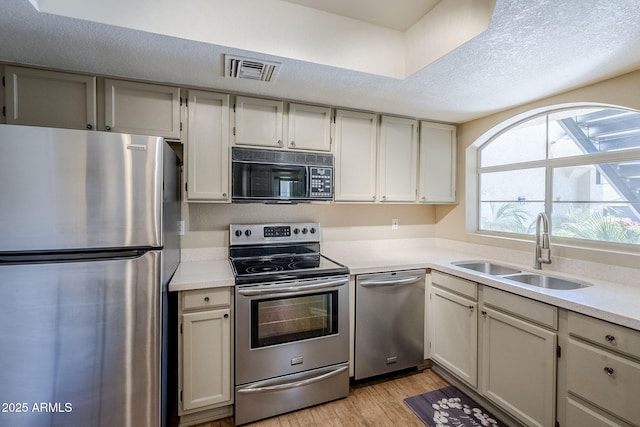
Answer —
(394, 223)
(180, 228)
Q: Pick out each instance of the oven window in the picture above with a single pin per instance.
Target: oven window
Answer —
(282, 320)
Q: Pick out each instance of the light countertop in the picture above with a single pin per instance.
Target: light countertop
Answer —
(202, 274)
(617, 302)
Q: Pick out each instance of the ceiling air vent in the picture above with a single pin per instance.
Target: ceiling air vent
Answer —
(252, 69)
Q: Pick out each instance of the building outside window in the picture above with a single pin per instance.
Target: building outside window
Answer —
(581, 166)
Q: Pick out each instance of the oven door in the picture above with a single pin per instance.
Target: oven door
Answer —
(289, 327)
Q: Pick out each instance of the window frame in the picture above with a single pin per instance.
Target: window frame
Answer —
(474, 171)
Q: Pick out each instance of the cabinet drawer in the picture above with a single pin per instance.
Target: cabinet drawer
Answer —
(614, 337)
(608, 381)
(455, 284)
(526, 308)
(581, 415)
(203, 298)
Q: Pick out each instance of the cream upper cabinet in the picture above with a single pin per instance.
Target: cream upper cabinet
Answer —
(258, 122)
(398, 160)
(453, 337)
(205, 374)
(355, 156)
(437, 163)
(309, 127)
(518, 356)
(142, 108)
(207, 147)
(48, 98)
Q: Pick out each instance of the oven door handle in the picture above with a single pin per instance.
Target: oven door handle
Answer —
(393, 282)
(294, 384)
(271, 289)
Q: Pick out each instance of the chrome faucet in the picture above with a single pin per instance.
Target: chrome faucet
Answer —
(543, 242)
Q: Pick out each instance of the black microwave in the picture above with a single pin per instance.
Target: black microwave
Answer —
(277, 176)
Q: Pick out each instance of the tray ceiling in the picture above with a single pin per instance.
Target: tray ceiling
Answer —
(525, 50)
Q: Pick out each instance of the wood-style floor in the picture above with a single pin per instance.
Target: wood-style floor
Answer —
(376, 403)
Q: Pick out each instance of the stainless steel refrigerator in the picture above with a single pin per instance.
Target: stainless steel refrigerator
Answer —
(88, 243)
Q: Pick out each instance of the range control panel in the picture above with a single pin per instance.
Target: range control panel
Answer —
(255, 234)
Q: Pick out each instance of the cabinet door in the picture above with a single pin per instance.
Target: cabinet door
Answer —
(355, 156)
(309, 127)
(398, 160)
(518, 367)
(208, 147)
(142, 108)
(48, 98)
(437, 163)
(258, 122)
(206, 361)
(454, 334)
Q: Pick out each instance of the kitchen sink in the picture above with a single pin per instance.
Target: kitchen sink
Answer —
(548, 282)
(487, 267)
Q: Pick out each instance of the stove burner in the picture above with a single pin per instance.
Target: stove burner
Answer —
(264, 267)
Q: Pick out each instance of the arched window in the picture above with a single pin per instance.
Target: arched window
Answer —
(580, 165)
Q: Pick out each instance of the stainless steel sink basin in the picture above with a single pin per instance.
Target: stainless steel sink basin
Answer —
(487, 267)
(548, 282)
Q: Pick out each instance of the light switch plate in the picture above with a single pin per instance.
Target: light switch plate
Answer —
(394, 223)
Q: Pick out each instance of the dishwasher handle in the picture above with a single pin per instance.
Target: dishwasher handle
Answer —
(390, 282)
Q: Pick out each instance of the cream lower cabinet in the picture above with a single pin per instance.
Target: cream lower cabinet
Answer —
(208, 147)
(603, 374)
(453, 336)
(49, 98)
(519, 356)
(205, 370)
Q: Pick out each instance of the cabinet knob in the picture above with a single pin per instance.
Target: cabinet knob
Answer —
(484, 313)
(206, 299)
(108, 128)
(292, 145)
(280, 144)
(471, 307)
(89, 126)
(224, 194)
(226, 316)
(373, 198)
(609, 371)
(384, 197)
(610, 338)
(423, 198)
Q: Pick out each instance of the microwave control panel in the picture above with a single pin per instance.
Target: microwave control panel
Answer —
(321, 182)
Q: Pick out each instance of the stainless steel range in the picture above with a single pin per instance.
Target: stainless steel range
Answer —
(292, 322)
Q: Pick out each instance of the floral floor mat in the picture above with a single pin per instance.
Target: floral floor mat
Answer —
(450, 407)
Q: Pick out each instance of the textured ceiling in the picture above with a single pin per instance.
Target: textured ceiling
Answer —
(532, 49)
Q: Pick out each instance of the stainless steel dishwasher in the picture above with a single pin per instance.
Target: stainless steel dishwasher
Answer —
(389, 322)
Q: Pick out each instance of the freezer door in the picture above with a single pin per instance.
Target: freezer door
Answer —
(80, 343)
(67, 189)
